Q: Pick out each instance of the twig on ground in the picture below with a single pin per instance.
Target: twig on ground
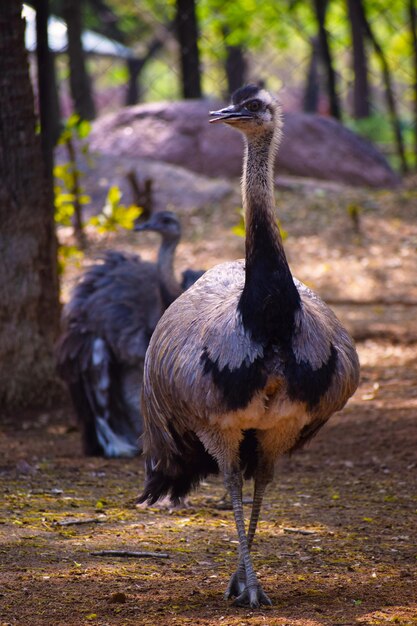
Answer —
(131, 554)
(76, 522)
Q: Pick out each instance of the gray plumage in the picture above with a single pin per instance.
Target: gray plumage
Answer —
(107, 324)
(246, 365)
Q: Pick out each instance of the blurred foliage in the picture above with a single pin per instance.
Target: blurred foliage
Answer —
(115, 214)
(67, 189)
(378, 129)
(70, 196)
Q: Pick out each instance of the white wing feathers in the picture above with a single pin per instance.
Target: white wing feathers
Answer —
(216, 297)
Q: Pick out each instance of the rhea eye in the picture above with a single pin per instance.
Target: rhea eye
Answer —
(253, 106)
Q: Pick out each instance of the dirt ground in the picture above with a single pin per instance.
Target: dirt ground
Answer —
(336, 541)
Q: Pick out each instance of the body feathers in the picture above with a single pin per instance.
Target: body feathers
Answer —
(212, 375)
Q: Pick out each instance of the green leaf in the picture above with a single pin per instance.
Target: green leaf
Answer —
(83, 129)
(60, 170)
(114, 195)
(73, 121)
(66, 197)
(239, 230)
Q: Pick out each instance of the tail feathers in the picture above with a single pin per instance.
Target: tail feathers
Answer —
(180, 475)
(113, 445)
(188, 466)
(85, 363)
(85, 418)
(159, 484)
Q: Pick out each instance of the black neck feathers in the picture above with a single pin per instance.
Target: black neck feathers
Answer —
(270, 298)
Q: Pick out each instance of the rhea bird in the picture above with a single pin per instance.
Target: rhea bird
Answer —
(246, 365)
(107, 326)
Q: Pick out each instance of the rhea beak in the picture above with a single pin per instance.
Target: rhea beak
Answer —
(228, 115)
(143, 226)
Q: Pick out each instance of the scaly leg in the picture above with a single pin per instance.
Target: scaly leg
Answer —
(247, 585)
(237, 582)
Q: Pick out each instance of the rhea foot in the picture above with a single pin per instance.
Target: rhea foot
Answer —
(252, 596)
(246, 595)
(236, 586)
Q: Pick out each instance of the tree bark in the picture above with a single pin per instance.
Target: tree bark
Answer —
(312, 88)
(80, 83)
(389, 91)
(135, 68)
(108, 21)
(29, 306)
(412, 11)
(361, 92)
(236, 68)
(320, 10)
(187, 34)
(109, 28)
(47, 88)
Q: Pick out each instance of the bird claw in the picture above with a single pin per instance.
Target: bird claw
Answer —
(235, 587)
(252, 596)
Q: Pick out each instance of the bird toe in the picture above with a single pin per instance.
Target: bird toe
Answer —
(235, 587)
(253, 596)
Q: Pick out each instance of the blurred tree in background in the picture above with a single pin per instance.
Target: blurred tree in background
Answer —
(79, 78)
(187, 34)
(29, 306)
(361, 89)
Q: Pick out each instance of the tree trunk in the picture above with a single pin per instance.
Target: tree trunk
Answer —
(389, 92)
(135, 67)
(79, 80)
(109, 28)
(108, 19)
(29, 307)
(236, 68)
(412, 11)
(361, 93)
(47, 91)
(187, 34)
(320, 10)
(312, 89)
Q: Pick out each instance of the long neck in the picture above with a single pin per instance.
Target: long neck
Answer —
(259, 204)
(170, 287)
(269, 297)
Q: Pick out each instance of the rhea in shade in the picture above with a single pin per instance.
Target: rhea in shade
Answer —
(107, 325)
(249, 363)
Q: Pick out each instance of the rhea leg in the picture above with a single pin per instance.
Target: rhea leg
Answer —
(247, 585)
(238, 582)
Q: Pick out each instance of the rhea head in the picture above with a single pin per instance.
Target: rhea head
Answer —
(165, 223)
(253, 111)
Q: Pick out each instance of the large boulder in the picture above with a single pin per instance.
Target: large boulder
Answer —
(179, 133)
(174, 187)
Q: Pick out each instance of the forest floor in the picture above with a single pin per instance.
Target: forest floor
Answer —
(336, 542)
